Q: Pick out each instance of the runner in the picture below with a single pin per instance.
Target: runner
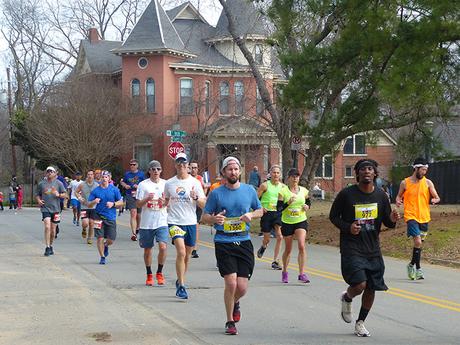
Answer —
(194, 172)
(220, 181)
(106, 198)
(49, 191)
(83, 192)
(268, 195)
(416, 192)
(358, 211)
(129, 182)
(230, 210)
(183, 194)
(154, 222)
(98, 176)
(74, 202)
(293, 200)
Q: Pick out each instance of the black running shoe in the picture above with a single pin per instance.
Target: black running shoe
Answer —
(261, 252)
(51, 250)
(47, 251)
(195, 254)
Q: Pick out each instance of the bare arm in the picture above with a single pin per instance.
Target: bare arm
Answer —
(399, 197)
(262, 189)
(434, 194)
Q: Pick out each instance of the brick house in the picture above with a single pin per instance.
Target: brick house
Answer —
(179, 72)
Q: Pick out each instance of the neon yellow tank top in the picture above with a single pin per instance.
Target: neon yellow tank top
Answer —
(270, 197)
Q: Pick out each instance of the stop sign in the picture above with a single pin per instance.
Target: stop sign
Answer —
(174, 148)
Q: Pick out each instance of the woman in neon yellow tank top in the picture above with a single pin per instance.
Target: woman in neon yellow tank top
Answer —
(294, 201)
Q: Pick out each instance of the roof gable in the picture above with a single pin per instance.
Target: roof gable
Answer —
(185, 11)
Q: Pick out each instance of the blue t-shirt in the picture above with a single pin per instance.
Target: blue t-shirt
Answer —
(131, 178)
(112, 194)
(235, 202)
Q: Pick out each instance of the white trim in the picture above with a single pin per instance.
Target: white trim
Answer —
(159, 22)
(193, 9)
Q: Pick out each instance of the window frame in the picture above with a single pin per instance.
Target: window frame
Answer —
(323, 168)
(182, 104)
(258, 54)
(238, 86)
(354, 151)
(225, 98)
(351, 172)
(151, 111)
(136, 98)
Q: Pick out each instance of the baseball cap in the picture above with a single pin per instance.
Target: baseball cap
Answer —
(106, 173)
(182, 157)
(227, 161)
(51, 168)
(77, 173)
(154, 164)
(293, 172)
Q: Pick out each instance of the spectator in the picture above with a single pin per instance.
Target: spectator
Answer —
(20, 195)
(1, 201)
(254, 177)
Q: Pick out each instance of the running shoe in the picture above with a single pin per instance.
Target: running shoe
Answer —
(90, 241)
(236, 312)
(149, 281)
(181, 292)
(411, 271)
(261, 234)
(74, 221)
(102, 261)
(347, 314)
(83, 233)
(160, 278)
(284, 277)
(304, 278)
(51, 250)
(230, 328)
(360, 330)
(77, 223)
(47, 251)
(419, 274)
(276, 266)
(261, 251)
(195, 254)
(106, 250)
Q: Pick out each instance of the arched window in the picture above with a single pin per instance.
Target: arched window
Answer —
(135, 93)
(239, 97)
(186, 97)
(223, 100)
(150, 95)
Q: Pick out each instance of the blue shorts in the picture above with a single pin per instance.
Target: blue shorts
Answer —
(187, 232)
(147, 236)
(75, 203)
(415, 228)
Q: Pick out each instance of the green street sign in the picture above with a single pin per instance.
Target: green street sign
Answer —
(179, 139)
(175, 133)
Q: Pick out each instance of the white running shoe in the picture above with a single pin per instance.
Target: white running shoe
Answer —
(360, 330)
(346, 313)
(419, 274)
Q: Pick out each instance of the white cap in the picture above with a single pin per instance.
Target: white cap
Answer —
(50, 168)
(181, 155)
(229, 159)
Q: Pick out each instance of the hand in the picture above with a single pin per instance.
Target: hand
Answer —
(127, 186)
(247, 217)
(306, 207)
(135, 186)
(56, 194)
(434, 201)
(41, 202)
(98, 200)
(399, 202)
(193, 194)
(395, 216)
(110, 204)
(291, 200)
(220, 218)
(264, 210)
(355, 228)
(149, 196)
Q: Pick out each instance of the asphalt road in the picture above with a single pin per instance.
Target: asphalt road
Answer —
(71, 299)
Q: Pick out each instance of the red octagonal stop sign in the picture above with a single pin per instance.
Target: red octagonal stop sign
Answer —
(174, 148)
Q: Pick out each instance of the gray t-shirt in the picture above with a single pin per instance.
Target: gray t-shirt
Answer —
(46, 190)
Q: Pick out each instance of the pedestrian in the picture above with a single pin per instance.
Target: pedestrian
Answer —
(416, 192)
(358, 212)
(130, 181)
(183, 194)
(254, 177)
(194, 171)
(106, 197)
(1, 201)
(230, 209)
(12, 197)
(49, 191)
(20, 195)
(88, 214)
(154, 221)
(271, 219)
(294, 202)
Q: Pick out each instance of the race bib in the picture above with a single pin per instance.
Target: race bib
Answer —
(175, 231)
(294, 212)
(83, 214)
(98, 224)
(272, 207)
(366, 211)
(57, 217)
(154, 204)
(234, 225)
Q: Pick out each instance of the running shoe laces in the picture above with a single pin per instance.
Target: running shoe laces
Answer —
(160, 278)
(346, 313)
(261, 252)
(360, 330)
(149, 281)
(230, 328)
(236, 312)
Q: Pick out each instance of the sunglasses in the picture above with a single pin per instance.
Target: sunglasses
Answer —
(132, 163)
(156, 169)
(194, 167)
(49, 171)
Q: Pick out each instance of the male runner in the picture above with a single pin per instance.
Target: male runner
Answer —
(416, 192)
(183, 194)
(358, 211)
(230, 209)
(74, 202)
(130, 181)
(87, 213)
(106, 197)
(49, 191)
(194, 173)
(268, 195)
(154, 222)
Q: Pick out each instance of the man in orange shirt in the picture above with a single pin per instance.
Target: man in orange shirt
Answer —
(416, 192)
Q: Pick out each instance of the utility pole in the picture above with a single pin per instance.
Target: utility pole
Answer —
(10, 123)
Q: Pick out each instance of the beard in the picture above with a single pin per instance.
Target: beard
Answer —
(232, 180)
(418, 176)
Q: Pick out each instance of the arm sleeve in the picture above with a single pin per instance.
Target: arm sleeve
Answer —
(308, 202)
(281, 205)
(335, 215)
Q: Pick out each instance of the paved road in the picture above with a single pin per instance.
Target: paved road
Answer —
(70, 299)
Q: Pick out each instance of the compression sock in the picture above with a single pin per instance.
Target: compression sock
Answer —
(418, 254)
(149, 269)
(363, 314)
(160, 268)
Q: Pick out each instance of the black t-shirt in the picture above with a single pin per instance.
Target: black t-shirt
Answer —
(371, 209)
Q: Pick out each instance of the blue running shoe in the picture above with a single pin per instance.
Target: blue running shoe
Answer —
(106, 250)
(181, 293)
(102, 261)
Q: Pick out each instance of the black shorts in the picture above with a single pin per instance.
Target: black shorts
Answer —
(88, 213)
(269, 220)
(131, 202)
(289, 229)
(105, 228)
(235, 257)
(357, 269)
(55, 216)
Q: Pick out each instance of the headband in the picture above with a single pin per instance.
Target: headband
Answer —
(415, 166)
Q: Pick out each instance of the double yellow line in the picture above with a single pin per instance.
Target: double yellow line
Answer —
(436, 302)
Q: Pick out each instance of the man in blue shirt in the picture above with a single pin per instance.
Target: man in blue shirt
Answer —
(130, 182)
(107, 198)
(230, 209)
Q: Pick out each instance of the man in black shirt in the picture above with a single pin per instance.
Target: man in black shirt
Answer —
(359, 211)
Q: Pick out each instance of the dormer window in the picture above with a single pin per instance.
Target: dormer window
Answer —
(258, 54)
(142, 62)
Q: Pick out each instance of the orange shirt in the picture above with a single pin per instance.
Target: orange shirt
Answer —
(416, 198)
(215, 185)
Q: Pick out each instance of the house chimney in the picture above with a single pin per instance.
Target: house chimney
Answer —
(93, 35)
